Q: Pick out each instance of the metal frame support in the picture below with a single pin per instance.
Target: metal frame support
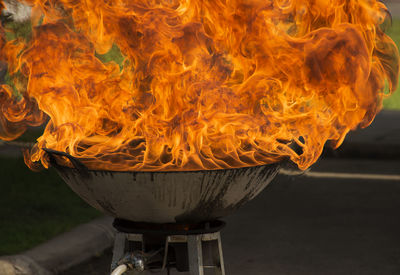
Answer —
(118, 250)
(201, 248)
(220, 257)
(195, 251)
(205, 247)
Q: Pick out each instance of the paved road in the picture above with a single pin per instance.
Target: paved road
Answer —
(313, 226)
(394, 8)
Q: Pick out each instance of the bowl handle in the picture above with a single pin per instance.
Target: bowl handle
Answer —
(78, 165)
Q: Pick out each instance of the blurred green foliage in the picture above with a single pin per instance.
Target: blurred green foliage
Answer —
(393, 102)
(18, 30)
(114, 54)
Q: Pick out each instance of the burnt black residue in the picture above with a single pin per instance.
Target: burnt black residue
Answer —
(107, 207)
(103, 173)
(89, 186)
(67, 172)
(267, 173)
(207, 210)
(81, 169)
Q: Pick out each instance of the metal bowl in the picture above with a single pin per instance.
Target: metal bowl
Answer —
(165, 197)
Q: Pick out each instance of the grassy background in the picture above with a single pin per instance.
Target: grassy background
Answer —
(35, 207)
(393, 102)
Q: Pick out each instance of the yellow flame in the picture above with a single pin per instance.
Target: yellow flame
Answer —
(204, 84)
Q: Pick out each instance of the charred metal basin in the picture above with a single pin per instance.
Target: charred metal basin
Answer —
(165, 197)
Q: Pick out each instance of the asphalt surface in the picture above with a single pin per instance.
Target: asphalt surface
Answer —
(394, 7)
(312, 225)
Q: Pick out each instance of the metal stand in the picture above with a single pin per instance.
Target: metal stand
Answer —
(203, 248)
(185, 252)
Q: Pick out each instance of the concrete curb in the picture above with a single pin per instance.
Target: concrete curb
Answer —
(62, 252)
(21, 265)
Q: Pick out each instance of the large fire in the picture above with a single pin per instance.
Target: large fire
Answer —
(202, 84)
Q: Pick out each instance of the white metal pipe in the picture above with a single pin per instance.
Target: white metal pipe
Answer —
(120, 270)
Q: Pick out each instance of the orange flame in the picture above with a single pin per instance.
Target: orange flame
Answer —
(204, 84)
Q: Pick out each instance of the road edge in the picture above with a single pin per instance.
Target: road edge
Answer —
(62, 252)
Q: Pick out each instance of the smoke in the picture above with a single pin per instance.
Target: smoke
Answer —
(16, 11)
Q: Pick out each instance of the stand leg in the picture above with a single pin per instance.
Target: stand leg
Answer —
(212, 253)
(119, 249)
(195, 252)
(220, 259)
